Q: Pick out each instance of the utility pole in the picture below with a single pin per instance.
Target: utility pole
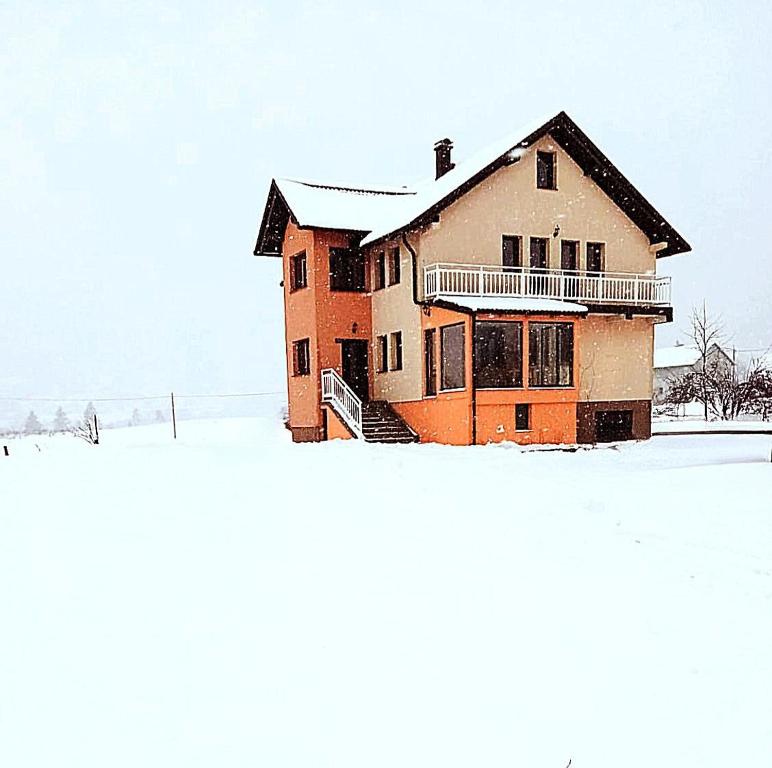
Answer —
(174, 418)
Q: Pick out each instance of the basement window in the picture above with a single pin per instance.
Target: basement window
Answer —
(522, 417)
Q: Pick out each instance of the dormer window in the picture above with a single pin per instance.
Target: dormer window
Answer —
(546, 170)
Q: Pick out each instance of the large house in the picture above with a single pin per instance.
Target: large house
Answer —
(512, 297)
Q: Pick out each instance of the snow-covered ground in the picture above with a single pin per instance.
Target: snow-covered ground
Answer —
(233, 599)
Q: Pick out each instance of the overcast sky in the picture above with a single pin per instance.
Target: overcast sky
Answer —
(138, 139)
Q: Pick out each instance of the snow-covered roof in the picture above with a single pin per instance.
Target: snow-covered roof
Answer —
(507, 304)
(339, 207)
(676, 357)
(380, 212)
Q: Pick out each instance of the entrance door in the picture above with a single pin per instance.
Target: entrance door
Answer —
(611, 426)
(355, 368)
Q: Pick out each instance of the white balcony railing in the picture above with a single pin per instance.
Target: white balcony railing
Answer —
(523, 282)
(346, 403)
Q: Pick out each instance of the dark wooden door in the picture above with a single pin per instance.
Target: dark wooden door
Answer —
(355, 367)
(430, 362)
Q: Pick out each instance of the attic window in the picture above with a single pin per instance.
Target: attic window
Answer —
(546, 166)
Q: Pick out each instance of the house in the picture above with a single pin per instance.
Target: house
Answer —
(511, 297)
(671, 363)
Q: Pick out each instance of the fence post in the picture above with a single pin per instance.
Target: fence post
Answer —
(96, 430)
(5, 451)
(174, 418)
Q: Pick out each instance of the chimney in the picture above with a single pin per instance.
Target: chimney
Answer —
(442, 150)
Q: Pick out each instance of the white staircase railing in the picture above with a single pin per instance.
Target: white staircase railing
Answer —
(523, 282)
(345, 401)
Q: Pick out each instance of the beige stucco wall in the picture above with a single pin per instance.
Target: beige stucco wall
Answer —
(508, 202)
(615, 358)
(394, 310)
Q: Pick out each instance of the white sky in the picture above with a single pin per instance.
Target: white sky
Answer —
(137, 141)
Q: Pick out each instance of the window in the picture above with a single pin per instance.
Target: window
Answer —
(396, 351)
(510, 250)
(452, 363)
(595, 257)
(430, 362)
(347, 270)
(301, 358)
(546, 178)
(539, 252)
(550, 354)
(379, 279)
(298, 272)
(498, 356)
(382, 351)
(522, 417)
(569, 255)
(395, 266)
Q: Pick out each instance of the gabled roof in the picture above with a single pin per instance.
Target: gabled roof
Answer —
(380, 213)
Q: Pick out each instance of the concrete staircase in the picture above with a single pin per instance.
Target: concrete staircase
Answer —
(382, 424)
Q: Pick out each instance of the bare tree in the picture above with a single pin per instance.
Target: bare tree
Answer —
(705, 332)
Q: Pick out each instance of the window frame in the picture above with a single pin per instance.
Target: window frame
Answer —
(577, 255)
(395, 266)
(295, 284)
(298, 358)
(395, 351)
(430, 362)
(382, 353)
(517, 352)
(348, 285)
(379, 271)
(531, 241)
(561, 345)
(443, 330)
(517, 252)
(541, 154)
(591, 244)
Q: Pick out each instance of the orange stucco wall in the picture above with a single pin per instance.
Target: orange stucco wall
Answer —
(451, 417)
(320, 315)
(336, 429)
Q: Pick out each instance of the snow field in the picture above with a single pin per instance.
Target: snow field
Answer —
(237, 600)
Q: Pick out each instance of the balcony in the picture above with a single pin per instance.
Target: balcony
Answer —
(458, 280)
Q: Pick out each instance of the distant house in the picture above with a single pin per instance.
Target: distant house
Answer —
(671, 363)
(511, 296)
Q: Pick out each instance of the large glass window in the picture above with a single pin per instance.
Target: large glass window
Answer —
(498, 356)
(550, 354)
(452, 366)
(347, 270)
